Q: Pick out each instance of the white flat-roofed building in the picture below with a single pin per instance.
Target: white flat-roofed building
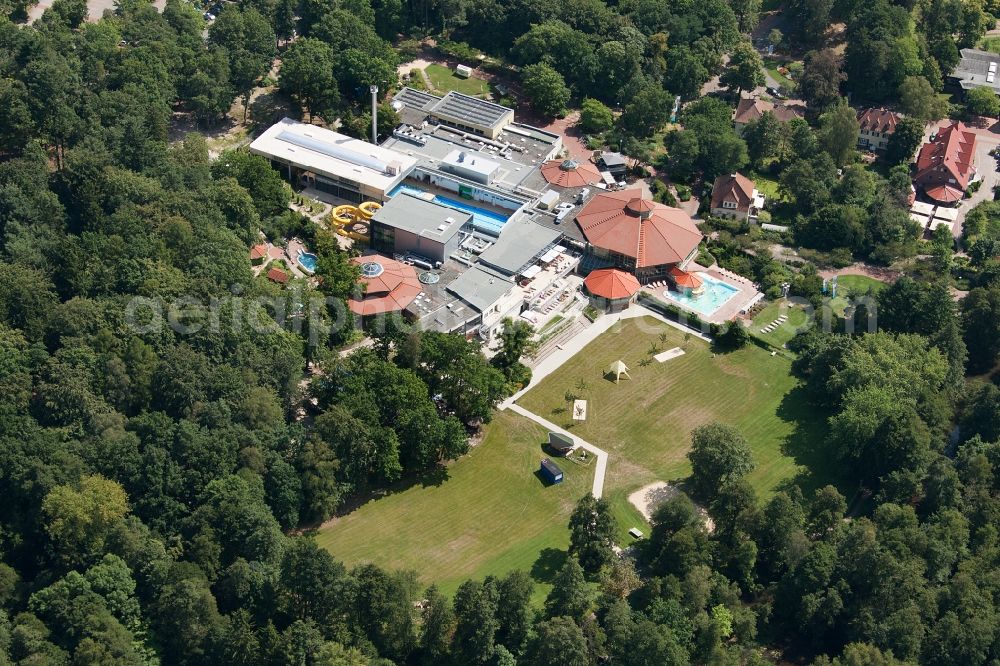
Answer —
(471, 166)
(340, 165)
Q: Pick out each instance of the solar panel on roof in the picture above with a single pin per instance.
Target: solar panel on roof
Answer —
(471, 108)
(331, 150)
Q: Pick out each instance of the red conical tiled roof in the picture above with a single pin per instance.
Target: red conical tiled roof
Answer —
(391, 286)
(649, 232)
(685, 279)
(570, 173)
(611, 283)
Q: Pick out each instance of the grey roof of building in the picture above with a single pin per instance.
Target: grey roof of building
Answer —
(532, 132)
(613, 159)
(472, 109)
(416, 99)
(520, 242)
(480, 287)
(419, 216)
(566, 227)
(972, 70)
(441, 143)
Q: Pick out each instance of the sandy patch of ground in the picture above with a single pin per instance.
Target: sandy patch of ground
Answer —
(649, 497)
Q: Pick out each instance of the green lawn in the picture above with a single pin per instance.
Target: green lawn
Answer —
(771, 65)
(797, 317)
(989, 44)
(767, 186)
(492, 515)
(645, 423)
(444, 80)
(848, 285)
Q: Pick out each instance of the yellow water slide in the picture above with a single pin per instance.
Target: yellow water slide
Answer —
(353, 221)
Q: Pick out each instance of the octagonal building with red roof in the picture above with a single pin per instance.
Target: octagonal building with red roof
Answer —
(642, 237)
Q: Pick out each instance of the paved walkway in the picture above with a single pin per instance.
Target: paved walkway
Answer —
(552, 362)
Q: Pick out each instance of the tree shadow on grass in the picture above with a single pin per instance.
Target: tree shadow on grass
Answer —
(434, 477)
(807, 445)
(548, 564)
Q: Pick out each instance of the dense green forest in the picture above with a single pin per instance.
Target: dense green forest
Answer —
(169, 422)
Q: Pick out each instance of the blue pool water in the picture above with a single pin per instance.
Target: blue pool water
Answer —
(482, 219)
(715, 295)
(308, 261)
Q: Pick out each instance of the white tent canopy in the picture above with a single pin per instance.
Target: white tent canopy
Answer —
(618, 369)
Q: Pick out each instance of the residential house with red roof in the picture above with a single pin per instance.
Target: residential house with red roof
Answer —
(643, 237)
(258, 253)
(945, 165)
(751, 108)
(735, 196)
(875, 126)
(277, 275)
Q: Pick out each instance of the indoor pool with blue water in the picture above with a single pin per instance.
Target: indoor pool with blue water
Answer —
(307, 260)
(482, 219)
(716, 294)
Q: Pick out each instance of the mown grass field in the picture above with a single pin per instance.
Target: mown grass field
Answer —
(797, 318)
(645, 423)
(490, 516)
(445, 80)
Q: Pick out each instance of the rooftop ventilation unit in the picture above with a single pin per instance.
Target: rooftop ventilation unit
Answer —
(412, 137)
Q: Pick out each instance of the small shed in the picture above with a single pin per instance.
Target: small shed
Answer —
(463, 71)
(551, 472)
(561, 444)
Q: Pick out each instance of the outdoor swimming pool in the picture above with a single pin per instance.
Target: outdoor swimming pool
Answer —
(716, 294)
(482, 219)
(307, 260)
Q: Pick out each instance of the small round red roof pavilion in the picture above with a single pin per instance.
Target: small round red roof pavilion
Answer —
(684, 279)
(945, 194)
(570, 173)
(390, 286)
(612, 284)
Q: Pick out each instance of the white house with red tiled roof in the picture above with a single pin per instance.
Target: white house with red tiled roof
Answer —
(735, 196)
(946, 165)
(749, 109)
(875, 126)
